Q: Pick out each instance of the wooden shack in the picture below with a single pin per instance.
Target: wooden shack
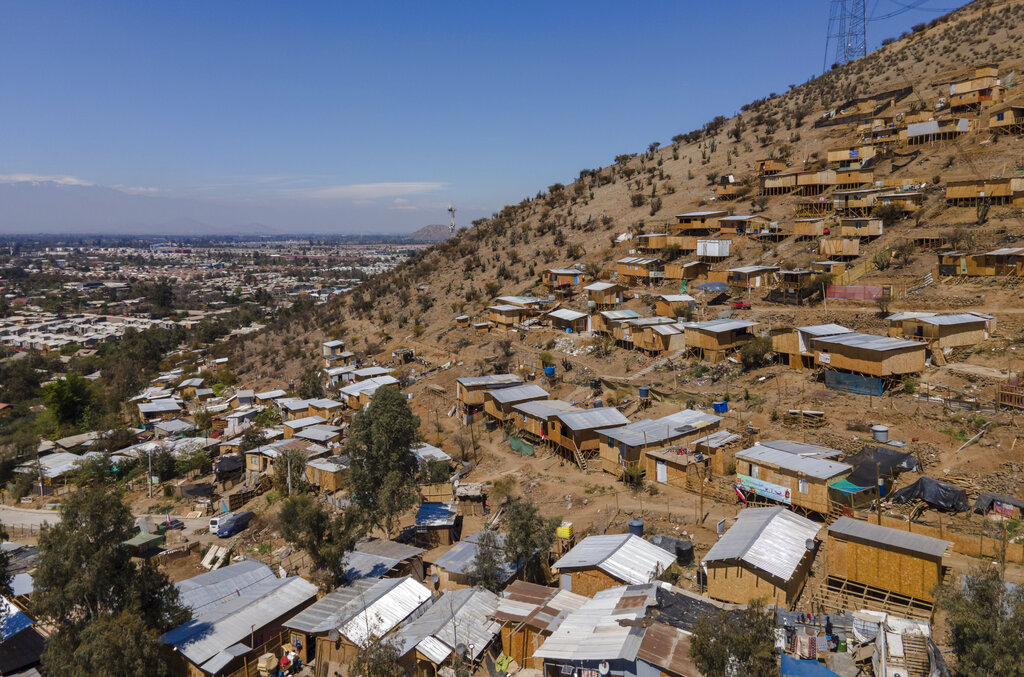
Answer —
(981, 90)
(605, 321)
(327, 474)
(763, 556)
(827, 266)
(650, 243)
(743, 224)
(792, 473)
(600, 562)
(462, 321)
(675, 305)
(721, 447)
(562, 278)
(942, 331)
(778, 184)
(703, 222)
(437, 524)
(811, 227)
(713, 339)
(604, 295)
(577, 433)
(885, 569)
(690, 270)
(325, 408)
(634, 269)
(532, 419)
(861, 227)
(850, 156)
(869, 354)
(771, 166)
(499, 402)
(856, 202)
(528, 614)
(453, 569)
(811, 182)
(470, 390)
(505, 315)
(567, 320)
(656, 339)
(839, 247)
(752, 277)
(626, 446)
(677, 467)
(995, 191)
(1007, 120)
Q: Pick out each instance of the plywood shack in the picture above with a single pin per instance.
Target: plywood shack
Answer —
(604, 295)
(600, 562)
(869, 354)
(498, 403)
(792, 473)
(714, 338)
(861, 227)
(996, 191)
(675, 305)
(887, 559)
(626, 446)
(577, 433)
(763, 555)
(470, 390)
(506, 315)
(528, 614)
(1007, 120)
(634, 269)
(702, 222)
(651, 243)
(839, 247)
(942, 331)
(532, 419)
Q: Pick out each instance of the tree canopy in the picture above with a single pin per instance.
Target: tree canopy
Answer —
(89, 589)
(382, 475)
(985, 625)
(528, 534)
(735, 643)
(485, 569)
(327, 537)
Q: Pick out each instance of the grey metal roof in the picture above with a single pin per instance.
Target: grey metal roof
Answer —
(378, 546)
(544, 409)
(490, 379)
(518, 393)
(457, 617)
(304, 422)
(625, 557)
(717, 439)
(589, 419)
(159, 406)
(537, 606)
(658, 430)
(752, 269)
(716, 326)
(624, 314)
(367, 565)
(824, 329)
(872, 342)
(227, 621)
(699, 214)
(428, 452)
(459, 559)
(604, 628)
(958, 318)
(436, 515)
(566, 314)
(638, 260)
(368, 607)
(771, 539)
(893, 538)
(810, 466)
(806, 449)
(506, 308)
(600, 286)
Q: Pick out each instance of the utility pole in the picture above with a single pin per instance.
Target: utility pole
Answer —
(149, 475)
(289, 474)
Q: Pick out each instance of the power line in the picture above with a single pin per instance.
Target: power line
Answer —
(847, 27)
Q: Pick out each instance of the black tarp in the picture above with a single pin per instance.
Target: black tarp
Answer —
(985, 501)
(889, 461)
(934, 493)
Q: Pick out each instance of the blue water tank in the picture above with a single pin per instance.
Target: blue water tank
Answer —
(720, 406)
(597, 404)
(645, 392)
(636, 527)
(549, 371)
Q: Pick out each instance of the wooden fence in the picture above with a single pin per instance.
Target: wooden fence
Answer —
(965, 544)
(272, 645)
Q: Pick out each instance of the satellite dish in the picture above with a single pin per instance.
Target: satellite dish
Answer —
(460, 649)
(603, 668)
(333, 635)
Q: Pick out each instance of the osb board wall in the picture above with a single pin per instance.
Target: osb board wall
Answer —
(589, 582)
(881, 568)
(740, 586)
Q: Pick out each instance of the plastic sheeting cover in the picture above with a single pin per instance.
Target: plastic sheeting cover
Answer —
(933, 492)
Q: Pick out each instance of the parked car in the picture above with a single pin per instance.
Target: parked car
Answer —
(740, 304)
(217, 520)
(232, 525)
(169, 525)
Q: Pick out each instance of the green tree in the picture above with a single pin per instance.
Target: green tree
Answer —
(889, 213)
(325, 536)
(735, 642)
(985, 625)
(435, 471)
(88, 585)
(378, 658)
(485, 569)
(754, 353)
(528, 534)
(68, 397)
(311, 385)
(382, 474)
(252, 438)
(5, 562)
(204, 420)
(290, 462)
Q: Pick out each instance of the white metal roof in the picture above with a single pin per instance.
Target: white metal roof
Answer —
(456, 617)
(589, 419)
(824, 329)
(490, 379)
(624, 314)
(625, 557)
(771, 539)
(518, 393)
(676, 298)
(807, 465)
(638, 260)
(690, 215)
(658, 430)
(566, 314)
(606, 627)
(600, 286)
(872, 342)
(716, 326)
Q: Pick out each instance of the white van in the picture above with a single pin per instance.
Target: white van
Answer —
(216, 522)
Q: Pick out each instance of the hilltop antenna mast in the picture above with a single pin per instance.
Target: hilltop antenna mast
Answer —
(847, 26)
(451, 226)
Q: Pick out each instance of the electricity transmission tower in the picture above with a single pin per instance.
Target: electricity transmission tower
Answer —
(847, 27)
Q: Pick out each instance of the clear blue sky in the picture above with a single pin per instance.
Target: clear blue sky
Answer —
(373, 115)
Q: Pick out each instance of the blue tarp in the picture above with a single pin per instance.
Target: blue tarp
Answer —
(794, 667)
(854, 383)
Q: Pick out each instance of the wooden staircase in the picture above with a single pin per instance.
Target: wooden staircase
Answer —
(915, 652)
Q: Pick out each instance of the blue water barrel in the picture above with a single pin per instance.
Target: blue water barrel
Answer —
(720, 406)
(636, 527)
(597, 404)
(595, 384)
(549, 371)
(645, 392)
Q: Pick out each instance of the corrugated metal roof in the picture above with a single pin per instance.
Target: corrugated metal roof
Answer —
(599, 286)
(676, 298)
(589, 419)
(873, 342)
(958, 318)
(824, 329)
(527, 300)
(690, 215)
(304, 422)
(457, 617)
(331, 610)
(801, 448)
(810, 466)
(506, 308)
(752, 269)
(619, 314)
(894, 538)
(369, 386)
(717, 439)
(658, 430)
(771, 539)
(625, 557)
(544, 409)
(668, 648)
(638, 260)
(428, 452)
(231, 620)
(436, 515)
(565, 271)
(538, 606)
(716, 326)
(366, 565)
(490, 379)
(566, 314)
(459, 559)
(518, 393)
(604, 628)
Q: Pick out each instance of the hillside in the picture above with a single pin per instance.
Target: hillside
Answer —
(435, 232)
(576, 224)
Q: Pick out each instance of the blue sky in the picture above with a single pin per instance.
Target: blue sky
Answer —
(372, 116)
